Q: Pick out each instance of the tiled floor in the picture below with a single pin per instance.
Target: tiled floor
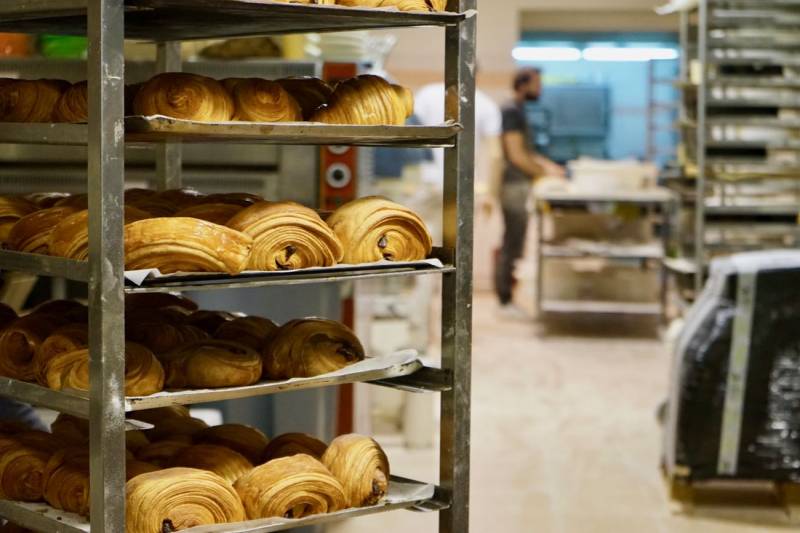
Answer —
(565, 438)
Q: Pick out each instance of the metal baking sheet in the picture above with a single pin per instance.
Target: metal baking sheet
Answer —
(403, 494)
(178, 20)
(161, 128)
(391, 366)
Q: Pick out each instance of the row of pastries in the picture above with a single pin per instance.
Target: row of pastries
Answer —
(171, 344)
(401, 5)
(363, 100)
(184, 474)
(185, 231)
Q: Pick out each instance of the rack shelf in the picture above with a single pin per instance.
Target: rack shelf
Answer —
(599, 307)
(160, 129)
(402, 494)
(177, 20)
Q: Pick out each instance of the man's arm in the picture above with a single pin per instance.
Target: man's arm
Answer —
(520, 156)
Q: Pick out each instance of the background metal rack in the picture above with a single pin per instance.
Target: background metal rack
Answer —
(740, 188)
(107, 23)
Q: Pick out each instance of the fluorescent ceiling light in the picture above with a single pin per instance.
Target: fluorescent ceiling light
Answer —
(614, 53)
(546, 53)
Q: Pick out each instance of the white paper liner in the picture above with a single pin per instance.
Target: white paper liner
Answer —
(138, 277)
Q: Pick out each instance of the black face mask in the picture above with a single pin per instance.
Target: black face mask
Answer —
(531, 97)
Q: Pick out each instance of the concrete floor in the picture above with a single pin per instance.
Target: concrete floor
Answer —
(565, 438)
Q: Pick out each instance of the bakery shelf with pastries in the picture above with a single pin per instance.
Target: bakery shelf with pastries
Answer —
(176, 353)
(185, 474)
(175, 235)
(365, 110)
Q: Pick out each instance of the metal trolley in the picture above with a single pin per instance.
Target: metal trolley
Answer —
(108, 23)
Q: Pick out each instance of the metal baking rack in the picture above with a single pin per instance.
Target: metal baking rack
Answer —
(740, 118)
(107, 23)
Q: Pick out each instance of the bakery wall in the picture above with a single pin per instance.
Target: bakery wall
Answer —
(419, 56)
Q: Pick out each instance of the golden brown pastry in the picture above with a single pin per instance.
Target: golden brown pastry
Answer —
(157, 300)
(135, 440)
(19, 342)
(243, 199)
(78, 201)
(135, 468)
(252, 331)
(39, 440)
(181, 198)
(287, 236)
(157, 207)
(226, 463)
(244, 48)
(367, 101)
(67, 338)
(70, 430)
(361, 466)
(68, 310)
(67, 480)
(310, 347)
(13, 208)
(175, 427)
(161, 414)
(373, 228)
(31, 233)
(30, 100)
(12, 427)
(179, 498)
(401, 5)
(144, 374)
(208, 320)
(257, 100)
(73, 106)
(215, 213)
(22, 471)
(162, 336)
(185, 245)
(246, 440)
(212, 364)
(290, 444)
(7, 315)
(309, 92)
(290, 487)
(70, 237)
(164, 452)
(184, 96)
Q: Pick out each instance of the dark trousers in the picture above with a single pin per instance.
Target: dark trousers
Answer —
(515, 222)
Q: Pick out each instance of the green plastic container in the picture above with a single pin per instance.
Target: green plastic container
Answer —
(63, 46)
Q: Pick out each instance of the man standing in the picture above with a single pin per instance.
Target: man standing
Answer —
(523, 166)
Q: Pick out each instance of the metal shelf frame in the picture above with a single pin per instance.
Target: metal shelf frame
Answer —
(107, 23)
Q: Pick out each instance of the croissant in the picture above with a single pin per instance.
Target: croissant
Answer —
(290, 487)
(70, 237)
(215, 213)
(257, 100)
(135, 440)
(69, 310)
(290, 444)
(179, 498)
(135, 468)
(248, 441)
(19, 342)
(310, 347)
(39, 440)
(367, 100)
(161, 414)
(7, 315)
(78, 201)
(374, 228)
(181, 198)
(73, 106)
(70, 429)
(209, 321)
(226, 463)
(30, 100)
(287, 236)
(161, 337)
(185, 245)
(184, 96)
(174, 428)
(157, 207)
(309, 92)
(157, 300)
(401, 5)
(67, 338)
(67, 480)
(252, 331)
(243, 199)
(22, 472)
(13, 208)
(163, 452)
(12, 427)
(212, 364)
(361, 466)
(31, 233)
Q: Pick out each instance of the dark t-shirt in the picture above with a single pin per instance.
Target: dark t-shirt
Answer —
(514, 119)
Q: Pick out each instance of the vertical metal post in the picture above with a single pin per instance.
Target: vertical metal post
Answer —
(540, 257)
(702, 100)
(457, 286)
(106, 264)
(169, 154)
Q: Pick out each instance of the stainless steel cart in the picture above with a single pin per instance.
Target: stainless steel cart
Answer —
(108, 23)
